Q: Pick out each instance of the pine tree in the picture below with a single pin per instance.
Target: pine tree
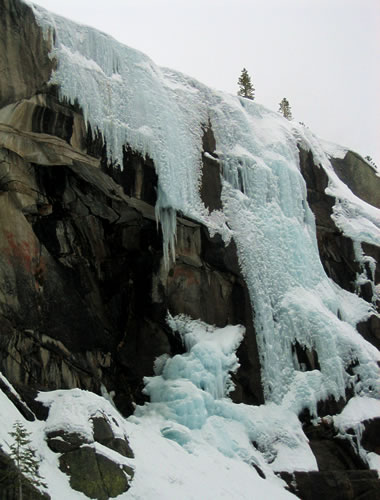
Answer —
(285, 109)
(245, 85)
(371, 161)
(25, 460)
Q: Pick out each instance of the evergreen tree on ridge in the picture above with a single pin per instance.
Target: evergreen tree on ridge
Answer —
(246, 88)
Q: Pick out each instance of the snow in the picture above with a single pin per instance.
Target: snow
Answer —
(204, 473)
(214, 462)
(200, 437)
(373, 460)
(10, 386)
(8, 415)
(334, 150)
(70, 411)
(356, 411)
(354, 217)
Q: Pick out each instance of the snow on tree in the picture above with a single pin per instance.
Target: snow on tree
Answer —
(25, 460)
(245, 85)
(285, 109)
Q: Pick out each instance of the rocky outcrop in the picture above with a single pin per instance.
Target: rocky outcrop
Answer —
(342, 474)
(334, 485)
(94, 474)
(359, 176)
(24, 54)
(90, 470)
(335, 249)
(370, 438)
(87, 291)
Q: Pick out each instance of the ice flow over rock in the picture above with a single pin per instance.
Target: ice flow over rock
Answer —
(189, 400)
(161, 113)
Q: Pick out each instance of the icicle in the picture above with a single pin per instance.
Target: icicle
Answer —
(167, 217)
(367, 264)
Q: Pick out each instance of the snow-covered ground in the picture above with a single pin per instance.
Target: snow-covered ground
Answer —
(191, 440)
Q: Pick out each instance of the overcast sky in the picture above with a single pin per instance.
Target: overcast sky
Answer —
(323, 55)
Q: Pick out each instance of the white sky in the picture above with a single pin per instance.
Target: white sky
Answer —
(323, 55)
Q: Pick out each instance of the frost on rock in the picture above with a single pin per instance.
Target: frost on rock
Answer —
(161, 113)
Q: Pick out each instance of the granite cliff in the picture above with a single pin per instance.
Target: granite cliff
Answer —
(85, 288)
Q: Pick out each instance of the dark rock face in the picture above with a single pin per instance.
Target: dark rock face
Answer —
(211, 187)
(331, 450)
(62, 442)
(370, 438)
(336, 485)
(370, 330)
(103, 434)
(336, 250)
(24, 62)
(342, 473)
(359, 177)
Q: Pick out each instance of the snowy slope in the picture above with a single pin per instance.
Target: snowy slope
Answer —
(191, 442)
(191, 425)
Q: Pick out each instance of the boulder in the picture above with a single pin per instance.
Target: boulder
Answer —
(94, 474)
(103, 434)
(92, 471)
